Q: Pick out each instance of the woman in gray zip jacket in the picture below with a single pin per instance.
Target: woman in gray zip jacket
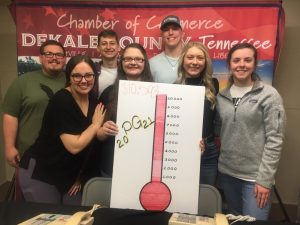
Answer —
(250, 122)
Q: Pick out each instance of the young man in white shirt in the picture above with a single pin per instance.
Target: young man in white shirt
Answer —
(164, 65)
(108, 47)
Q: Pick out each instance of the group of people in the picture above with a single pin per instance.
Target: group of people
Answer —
(59, 129)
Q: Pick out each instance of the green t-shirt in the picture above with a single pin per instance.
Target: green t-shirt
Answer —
(27, 99)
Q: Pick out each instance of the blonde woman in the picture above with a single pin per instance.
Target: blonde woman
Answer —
(195, 68)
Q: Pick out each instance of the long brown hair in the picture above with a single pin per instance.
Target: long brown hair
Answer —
(145, 76)
(73, 62)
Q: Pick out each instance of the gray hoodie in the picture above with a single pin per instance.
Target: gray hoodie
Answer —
(251, 134)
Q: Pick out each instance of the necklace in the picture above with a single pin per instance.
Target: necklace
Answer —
(169, 60)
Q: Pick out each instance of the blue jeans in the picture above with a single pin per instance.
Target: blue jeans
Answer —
(239, 195)
(209, 164)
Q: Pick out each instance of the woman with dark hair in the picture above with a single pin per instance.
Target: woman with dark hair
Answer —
(195, 68)
(251, 126)
(49, 169)
(134, 66)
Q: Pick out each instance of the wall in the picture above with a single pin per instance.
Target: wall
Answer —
(287, 80)
(8, 71)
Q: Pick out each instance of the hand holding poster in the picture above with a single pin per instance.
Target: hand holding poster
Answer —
(157, 155)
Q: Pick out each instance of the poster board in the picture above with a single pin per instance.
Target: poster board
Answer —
(157, 154)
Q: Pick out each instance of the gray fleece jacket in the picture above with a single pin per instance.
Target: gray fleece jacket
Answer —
(251, 134)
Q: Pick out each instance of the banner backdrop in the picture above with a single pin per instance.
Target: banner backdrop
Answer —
(219, 25)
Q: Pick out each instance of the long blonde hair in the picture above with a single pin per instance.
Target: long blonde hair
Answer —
(206, 73)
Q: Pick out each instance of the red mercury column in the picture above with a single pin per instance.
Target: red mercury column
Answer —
(156, 195)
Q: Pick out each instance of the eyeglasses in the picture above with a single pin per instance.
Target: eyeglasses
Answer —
(77, 77)
(136, 59)
(51, 55)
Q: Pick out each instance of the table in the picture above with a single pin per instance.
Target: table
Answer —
(12, 213)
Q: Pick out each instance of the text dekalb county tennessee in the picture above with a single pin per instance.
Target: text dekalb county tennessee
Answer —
(149, 42)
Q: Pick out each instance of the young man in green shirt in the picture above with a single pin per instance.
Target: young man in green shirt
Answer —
(27, 98)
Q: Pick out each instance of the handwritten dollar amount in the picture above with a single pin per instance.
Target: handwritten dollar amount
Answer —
(134, 124)
(150, 89)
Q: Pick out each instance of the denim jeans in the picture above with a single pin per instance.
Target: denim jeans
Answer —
(239, 195)
(209, 164)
